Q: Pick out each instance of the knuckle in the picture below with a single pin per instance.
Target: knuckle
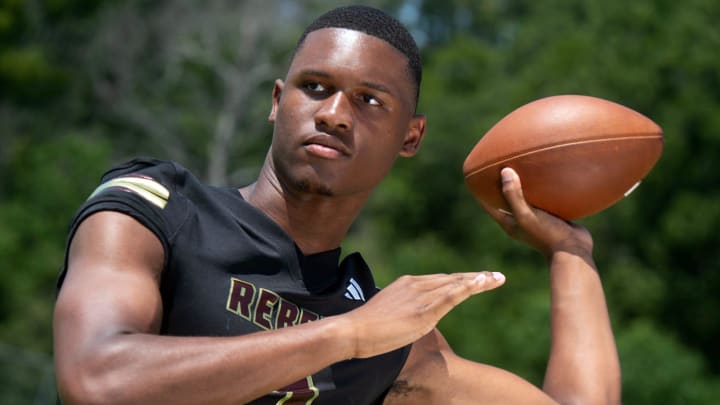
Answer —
(460, 290)
(406, 280)
(423, 313)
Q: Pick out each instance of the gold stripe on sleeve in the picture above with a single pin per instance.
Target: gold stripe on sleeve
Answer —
(149, 189)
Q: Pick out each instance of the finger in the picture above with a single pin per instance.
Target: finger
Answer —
(469, 284)
(512, 190)
(476, 281)
(438, 283)
(487, 280)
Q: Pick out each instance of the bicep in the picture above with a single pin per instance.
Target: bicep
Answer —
(111, 286)
(436, 375)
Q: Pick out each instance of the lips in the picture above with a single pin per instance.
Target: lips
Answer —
(326, 146)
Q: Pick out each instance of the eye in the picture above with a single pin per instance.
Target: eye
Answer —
(314, 87)
(370, 99)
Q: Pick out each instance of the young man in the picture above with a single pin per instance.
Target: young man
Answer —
(176, 292)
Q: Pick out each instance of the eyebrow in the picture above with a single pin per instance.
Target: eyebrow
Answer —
(372, 85)
(377, 86)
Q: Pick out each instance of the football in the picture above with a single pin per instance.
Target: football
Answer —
(575, 155)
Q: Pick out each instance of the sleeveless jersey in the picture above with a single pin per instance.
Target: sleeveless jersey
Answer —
(231, 270)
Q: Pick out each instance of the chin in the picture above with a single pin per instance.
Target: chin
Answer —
(305, 186)
(302, 179)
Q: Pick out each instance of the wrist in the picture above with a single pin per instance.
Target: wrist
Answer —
(570, 258)
(581, 246)
(342, 336)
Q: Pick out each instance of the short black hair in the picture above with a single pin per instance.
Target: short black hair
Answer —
(374, 22)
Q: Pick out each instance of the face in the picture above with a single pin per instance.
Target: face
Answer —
(343, 115)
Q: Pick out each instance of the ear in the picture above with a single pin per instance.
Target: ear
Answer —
(414, 135)
(277, 92)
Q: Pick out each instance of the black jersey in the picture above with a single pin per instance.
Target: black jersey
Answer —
(231, 270)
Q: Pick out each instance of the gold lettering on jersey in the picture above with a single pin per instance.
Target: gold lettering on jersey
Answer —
(302, 392)
(241, 297)
(265, 308)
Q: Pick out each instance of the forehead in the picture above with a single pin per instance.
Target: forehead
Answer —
(353, 53)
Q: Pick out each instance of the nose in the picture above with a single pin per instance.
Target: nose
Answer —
(335, 113)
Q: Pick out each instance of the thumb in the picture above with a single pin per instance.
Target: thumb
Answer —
(512, 191)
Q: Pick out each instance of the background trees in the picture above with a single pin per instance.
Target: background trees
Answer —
(84, 84)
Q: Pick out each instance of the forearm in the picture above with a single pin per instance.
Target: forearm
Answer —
(145, 368)
(583, 361)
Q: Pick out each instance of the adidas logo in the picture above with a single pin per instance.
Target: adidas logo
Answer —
(354, 292)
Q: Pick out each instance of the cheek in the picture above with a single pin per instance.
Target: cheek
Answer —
(385, 139)
(290, 108)
(288, 125)
(378, 153)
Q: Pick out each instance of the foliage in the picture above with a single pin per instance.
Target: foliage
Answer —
(84, 84)
(658, 369)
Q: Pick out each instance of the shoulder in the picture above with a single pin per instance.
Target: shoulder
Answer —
(150, 178)
(156, 188)
(145, 189)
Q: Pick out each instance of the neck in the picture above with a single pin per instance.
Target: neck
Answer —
(316, 223)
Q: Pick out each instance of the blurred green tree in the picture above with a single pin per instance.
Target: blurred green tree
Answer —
(85, 83)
